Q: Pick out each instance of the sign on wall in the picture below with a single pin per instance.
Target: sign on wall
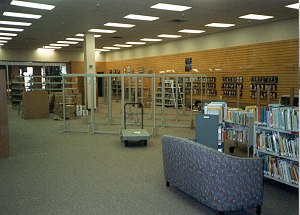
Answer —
(188, 64)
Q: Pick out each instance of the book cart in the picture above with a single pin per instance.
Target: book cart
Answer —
(276, 141)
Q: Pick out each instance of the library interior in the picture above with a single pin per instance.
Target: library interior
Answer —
(144, 107)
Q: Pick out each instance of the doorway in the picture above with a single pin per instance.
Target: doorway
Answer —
(100, 85)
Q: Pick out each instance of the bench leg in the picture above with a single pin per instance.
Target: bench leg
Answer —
(258, 210)
(168, 184)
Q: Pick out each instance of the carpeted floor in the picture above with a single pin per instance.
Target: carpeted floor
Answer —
(77, 173)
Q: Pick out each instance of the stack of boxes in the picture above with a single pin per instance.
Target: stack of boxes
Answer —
(72, 99)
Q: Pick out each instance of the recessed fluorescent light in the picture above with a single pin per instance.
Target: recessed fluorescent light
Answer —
(51, 47)
(190, 31)
(293, 6)
(5, 38)
(8, 34)
(48, 49)
(82, 35)
(22, 15)
(3, 41)
(15, 23)
(11, 29)
(220, 25)
(67, 42)
(102, 50)
(136, 43)
(32, 5)
(172, 7)
(1, 44)
(151, 40)
(122, 45)
(169, 36)
(102, 31)
(256, 17)
(106, 47)
(53, 44)
(141, 17)
(119, 25)
(75, 39)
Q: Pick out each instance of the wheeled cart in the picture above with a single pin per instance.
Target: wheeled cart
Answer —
(134, 134)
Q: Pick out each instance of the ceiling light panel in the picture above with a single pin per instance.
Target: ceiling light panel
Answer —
(64, 45)
(5, 38)
(135, 43)
(115, 48)
(75, 39)
(22, 15)
(102, 31)
(8, 34)
(220, 25)
(151, 40)
(293, 6)
(82, 35)
(190, 31)
(1, 44)
(67, 42)
(169, 36)
(51, 47)
(3, 41)
(123, 45)
(171, 7)
(102, 50)
(32, 5)
(15, 23)
(11, 29)
(141, 17)
(119, 25)
(256, 17)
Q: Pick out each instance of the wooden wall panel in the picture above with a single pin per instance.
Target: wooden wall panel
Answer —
(278, 58)
(4, 135)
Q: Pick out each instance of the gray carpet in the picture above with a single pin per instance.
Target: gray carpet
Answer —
(77, 173)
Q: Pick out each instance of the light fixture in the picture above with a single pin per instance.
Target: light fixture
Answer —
(107, 47)
(169, 36)
(122, 45)
(82, 35)
(102, 50)
(256, 17)
(32, 5)
(67, 42)
(220, 25)
(119, 25)
(75, 39)
(22, 15)
(151, 40)
(141, 17)
(11, 29)
(51, 47)
(8, 34)
(293, 6)
(5, 38)
(15, 23)
(190, 31)
(1, 44)
(3, 41)
(172, 7)
(102, 31)
(53, 44)
(135, 43)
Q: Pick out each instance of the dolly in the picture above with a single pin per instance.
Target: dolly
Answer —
(141, 135)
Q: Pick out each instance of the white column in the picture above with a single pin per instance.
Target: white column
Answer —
(89, 66)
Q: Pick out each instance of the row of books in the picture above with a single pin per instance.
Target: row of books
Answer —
(280, 117)
(281, 169)
(276, 142)
(238, 135)
(216, 108)
(240, 117)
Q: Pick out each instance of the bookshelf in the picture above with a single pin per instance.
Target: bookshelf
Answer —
(230, 86)
(276, 141)
(263, 83)
(170, 94)
(205, 85)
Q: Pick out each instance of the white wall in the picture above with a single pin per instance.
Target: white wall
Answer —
(274, 31)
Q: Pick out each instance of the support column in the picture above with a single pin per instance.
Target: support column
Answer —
(4, 141)
(89, 66)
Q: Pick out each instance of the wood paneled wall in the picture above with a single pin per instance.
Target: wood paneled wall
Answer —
(278, 58)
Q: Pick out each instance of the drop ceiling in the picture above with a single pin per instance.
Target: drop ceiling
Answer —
(70, 17)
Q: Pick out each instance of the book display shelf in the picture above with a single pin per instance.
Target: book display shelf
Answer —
(230, 86)
(168, 94)
(276, 140)
(263, 83)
